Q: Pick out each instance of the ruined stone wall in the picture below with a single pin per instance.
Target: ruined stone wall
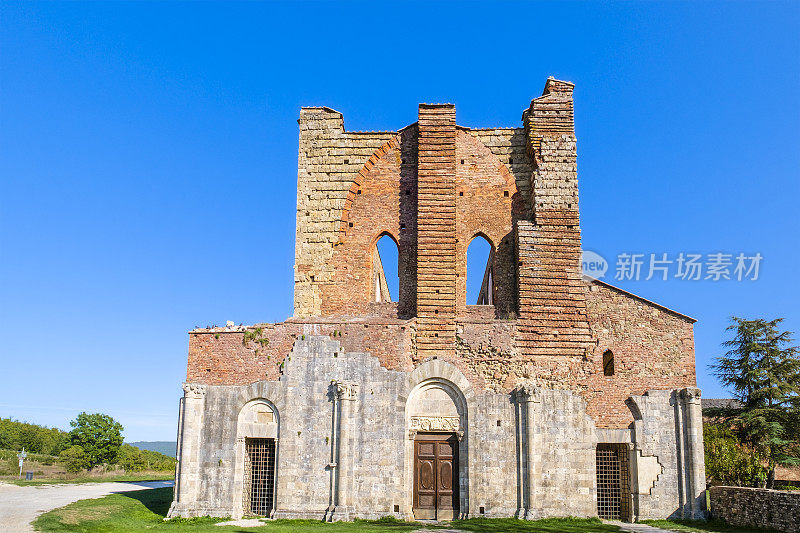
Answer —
(328, 160)
(762, 508)
(487, 204)
(551, 300)
(653, 349)
(220, 356)
(374, 436)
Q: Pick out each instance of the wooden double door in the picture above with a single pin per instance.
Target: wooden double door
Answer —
(436, 476)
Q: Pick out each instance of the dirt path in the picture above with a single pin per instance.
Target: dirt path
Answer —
(19, 506)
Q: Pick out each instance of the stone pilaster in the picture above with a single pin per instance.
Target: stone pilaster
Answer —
(346, 394)
(694, 459)
(189, 446)
(528, 397)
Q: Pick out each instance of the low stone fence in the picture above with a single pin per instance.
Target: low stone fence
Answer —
(742, 506)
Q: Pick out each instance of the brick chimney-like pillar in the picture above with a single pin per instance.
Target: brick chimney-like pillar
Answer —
(436, 231)
(552, 307)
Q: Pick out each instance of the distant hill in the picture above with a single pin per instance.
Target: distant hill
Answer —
(161, 446)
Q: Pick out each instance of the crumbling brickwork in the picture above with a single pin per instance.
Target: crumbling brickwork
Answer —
(433, 187)
(529, 383)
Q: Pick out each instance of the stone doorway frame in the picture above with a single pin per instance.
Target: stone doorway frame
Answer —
(244, 430)
(444, 375)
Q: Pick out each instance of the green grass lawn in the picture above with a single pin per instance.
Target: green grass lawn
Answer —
(144, 510)
(702, 526)
(93, 479)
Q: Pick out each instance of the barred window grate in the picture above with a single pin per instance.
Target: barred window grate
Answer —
(613, 487)
(259, 476)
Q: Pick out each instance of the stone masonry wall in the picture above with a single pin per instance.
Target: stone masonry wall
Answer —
(653, 349)
(377, 443)
(551, 298)
(762, 508)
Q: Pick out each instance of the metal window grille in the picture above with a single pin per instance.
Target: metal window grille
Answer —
(613, 487)
(259, 476)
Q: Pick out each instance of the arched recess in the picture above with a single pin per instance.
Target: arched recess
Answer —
(487, 202)
(438, 399)
(385, 269)
(392, 145)
(480, 271)
(258, 420)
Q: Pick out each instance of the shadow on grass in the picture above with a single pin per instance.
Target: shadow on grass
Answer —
(155, 500)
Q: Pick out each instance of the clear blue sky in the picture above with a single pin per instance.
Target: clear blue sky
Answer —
(148, 162)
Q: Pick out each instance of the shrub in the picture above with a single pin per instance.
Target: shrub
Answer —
(74, 459)
(131, 459)
(15, 435)
(729, 462)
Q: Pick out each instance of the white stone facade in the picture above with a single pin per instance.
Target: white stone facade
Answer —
(344, 428)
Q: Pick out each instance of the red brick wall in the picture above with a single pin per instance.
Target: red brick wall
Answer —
(653, 349)
(487, 204)
(217, 356)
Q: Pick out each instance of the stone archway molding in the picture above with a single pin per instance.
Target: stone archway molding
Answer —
(438, 373)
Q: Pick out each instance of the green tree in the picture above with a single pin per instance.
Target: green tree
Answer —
(99, 435)
(74, 459)
(728, 462)
(763, 372)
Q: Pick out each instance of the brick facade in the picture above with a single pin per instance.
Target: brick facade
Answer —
(346, 388)
(433, 187)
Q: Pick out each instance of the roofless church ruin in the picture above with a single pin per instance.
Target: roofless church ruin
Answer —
(555, 396)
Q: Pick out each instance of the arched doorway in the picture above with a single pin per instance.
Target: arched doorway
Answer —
(256, 459)
(436, 418)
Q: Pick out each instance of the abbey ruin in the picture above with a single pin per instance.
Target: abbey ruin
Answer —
(557, 395)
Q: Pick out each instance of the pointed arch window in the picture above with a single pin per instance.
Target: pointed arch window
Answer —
(384, 260)
(480, 272)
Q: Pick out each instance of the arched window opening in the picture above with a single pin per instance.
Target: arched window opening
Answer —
(608, 363)
(384, 261)
(480, 277)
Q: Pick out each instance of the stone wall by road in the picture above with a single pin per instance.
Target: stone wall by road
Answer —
(747, 507)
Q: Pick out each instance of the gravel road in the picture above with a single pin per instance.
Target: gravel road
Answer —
(19, 506)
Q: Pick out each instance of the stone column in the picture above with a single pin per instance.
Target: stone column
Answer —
(343, 465)
(189, 448)
(529, 396)
(694, 460)
(521, 455)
